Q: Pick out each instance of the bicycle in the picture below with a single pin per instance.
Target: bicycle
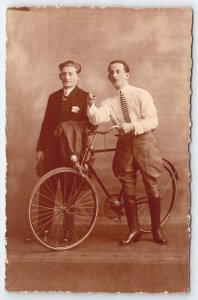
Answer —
(63, 205)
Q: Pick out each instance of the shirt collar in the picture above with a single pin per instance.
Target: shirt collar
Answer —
(125, 88)
(68, 91)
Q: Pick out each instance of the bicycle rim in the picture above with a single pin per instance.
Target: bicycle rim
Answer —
(62, 209)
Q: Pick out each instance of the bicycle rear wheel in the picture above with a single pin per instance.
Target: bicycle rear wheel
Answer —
(62, 209)
(167, 190)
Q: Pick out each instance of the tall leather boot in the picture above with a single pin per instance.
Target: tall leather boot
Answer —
(158, 236)
(134, 234)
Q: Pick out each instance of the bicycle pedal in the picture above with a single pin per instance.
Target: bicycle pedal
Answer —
(115, 203)
(117, 219)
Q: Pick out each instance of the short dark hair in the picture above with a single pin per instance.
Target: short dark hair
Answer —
(71, 63)
(118, 61)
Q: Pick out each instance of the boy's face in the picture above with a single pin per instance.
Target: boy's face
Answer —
(117, 75)
(69, 77)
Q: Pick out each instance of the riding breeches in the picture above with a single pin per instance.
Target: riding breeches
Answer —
(138, 152)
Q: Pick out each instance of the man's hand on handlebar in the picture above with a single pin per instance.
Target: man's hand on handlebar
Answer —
(126, 127)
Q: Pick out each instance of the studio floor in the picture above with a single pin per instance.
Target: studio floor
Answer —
(99, 264)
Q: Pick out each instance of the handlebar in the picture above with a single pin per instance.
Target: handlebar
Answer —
(106, 131)
(91, 145)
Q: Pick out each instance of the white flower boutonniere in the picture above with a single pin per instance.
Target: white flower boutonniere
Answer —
(75, 109)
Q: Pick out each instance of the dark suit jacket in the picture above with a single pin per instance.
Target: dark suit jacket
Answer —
(51, 119)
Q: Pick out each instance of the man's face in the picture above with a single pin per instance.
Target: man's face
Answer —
(69, 77)
(117, 75)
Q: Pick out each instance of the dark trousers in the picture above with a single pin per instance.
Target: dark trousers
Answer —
(53, 159)
(135, 152)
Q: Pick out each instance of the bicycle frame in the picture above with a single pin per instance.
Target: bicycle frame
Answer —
(90, 151)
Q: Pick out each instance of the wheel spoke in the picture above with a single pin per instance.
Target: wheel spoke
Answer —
(62, 209)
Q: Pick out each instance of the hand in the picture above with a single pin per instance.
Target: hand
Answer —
(126, 127)
(39, 155)
(91, 99)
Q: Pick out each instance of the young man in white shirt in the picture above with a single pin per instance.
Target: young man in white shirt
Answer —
(133, 109)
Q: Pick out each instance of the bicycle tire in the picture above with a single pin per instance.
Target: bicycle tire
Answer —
(62, 209)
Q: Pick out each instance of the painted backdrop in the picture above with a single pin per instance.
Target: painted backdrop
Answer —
(156, 43)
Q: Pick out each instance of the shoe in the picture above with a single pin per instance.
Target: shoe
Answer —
(45, 236)
(67, 238)
(132, 237)
(130, 206)
(158, 237)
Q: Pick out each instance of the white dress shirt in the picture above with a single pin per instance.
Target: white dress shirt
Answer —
(140, 105)
(68, 91)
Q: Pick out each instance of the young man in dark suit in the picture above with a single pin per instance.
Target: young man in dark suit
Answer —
(67, 104)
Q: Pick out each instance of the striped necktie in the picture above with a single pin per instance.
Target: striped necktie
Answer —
(124, 108)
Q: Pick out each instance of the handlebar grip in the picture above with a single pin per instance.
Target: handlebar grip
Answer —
(108, 130)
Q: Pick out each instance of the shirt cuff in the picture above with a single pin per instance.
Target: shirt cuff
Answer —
(138, 128)
(91, 111)
(91, 108)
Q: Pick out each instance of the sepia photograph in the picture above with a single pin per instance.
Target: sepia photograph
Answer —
(98, 132)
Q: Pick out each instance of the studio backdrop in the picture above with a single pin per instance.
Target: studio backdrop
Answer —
(156, 43)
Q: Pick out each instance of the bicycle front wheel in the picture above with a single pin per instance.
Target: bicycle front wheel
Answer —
(167, 187)
(62, 209)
